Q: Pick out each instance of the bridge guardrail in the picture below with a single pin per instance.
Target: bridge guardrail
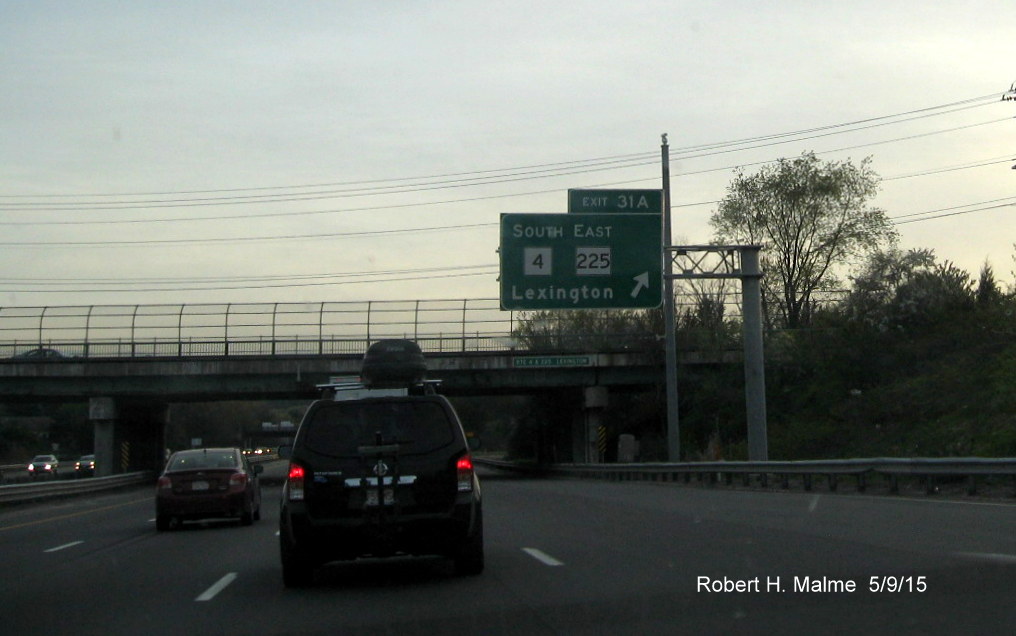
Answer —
(28, 492)
(927, 470)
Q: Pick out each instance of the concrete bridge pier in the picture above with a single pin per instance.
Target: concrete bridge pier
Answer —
(595, 399)
(129, 436)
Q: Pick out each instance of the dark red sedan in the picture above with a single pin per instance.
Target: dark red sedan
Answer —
(208, 483)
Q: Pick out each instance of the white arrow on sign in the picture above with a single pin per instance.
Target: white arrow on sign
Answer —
(641, 282)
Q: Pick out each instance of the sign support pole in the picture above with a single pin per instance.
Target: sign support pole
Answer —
(754, 360)
(670, 326)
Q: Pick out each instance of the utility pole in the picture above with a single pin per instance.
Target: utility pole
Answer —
(1010, 96)
(673, 425)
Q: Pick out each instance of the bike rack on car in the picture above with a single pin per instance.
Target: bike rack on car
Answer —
(377, 457)
(346, 390)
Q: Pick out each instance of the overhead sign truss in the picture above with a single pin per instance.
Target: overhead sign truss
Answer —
(706, 261)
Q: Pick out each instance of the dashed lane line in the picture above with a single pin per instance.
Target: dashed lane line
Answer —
(220, 585)
(989, 556)
(64, 546)
(542, 557)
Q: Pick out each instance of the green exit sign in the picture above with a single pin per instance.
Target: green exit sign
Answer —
(581, 261)
(615, 201)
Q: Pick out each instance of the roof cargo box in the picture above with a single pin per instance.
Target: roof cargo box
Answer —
(393, 364)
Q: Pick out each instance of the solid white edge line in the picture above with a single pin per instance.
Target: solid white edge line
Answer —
(64, 546)
(542, 557)
(220, 585)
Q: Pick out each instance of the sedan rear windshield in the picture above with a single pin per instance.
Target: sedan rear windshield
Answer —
(202, 461)
(342, 428)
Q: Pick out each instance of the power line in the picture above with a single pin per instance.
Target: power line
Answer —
(921, 113)
(828, 134)
(498, 196)
(429, 276)
(165, 280)
(417, 184)
(448, 181)
(341, 235)
(316, 196)
(239, 239)
(855, 147)
(614, 158)
(955, 207)
(967, 166)
(959, 213)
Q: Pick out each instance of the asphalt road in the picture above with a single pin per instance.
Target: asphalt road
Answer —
(563, 557)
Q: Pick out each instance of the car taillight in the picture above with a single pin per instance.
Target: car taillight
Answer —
(464, 469)
(295, 480)
(165, 483)
(237, 481)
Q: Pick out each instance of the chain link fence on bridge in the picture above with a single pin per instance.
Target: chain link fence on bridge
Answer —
(321, 328)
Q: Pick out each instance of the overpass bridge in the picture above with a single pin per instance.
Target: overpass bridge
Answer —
(286, 377)
(131, 362)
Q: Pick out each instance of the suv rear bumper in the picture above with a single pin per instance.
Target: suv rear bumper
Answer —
(380, 535)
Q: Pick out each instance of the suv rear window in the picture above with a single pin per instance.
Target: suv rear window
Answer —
(340, 429)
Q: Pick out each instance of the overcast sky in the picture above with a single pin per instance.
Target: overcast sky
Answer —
(186, 152)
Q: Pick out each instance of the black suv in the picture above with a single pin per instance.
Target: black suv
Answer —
(380, 471)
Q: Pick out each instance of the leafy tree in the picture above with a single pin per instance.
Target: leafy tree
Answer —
(586, 330)
(810, 218)
(215, 423)
(988, 291)
(898, 291)
(876, 286)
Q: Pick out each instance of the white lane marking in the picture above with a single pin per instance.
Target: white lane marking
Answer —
(210, 593)
(988, 556)
(64, 546)
(542, 557)
(949, 502)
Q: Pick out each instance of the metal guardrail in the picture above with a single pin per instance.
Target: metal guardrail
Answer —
(927, 470)
(62, 487)
(18, 492)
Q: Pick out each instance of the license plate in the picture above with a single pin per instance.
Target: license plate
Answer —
(199, 485)
(372, 498)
